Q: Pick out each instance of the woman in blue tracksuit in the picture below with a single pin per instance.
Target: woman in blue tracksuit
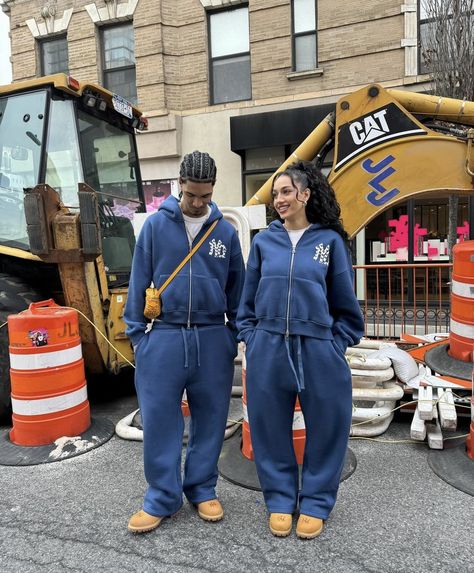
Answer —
(189, 347)
(297, 316)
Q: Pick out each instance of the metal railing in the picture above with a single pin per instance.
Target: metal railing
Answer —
(409, 298)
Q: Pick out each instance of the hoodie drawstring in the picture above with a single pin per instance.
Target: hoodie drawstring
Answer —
(299, 376)
(186, 348)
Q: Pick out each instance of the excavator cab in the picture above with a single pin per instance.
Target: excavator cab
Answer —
(61, 133)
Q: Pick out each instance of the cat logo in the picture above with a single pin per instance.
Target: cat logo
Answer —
(371, 127)
(370, 130)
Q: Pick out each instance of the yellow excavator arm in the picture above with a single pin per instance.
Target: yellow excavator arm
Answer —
(387, 150)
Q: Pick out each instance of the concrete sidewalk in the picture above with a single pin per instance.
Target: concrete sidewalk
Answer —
(393, 515)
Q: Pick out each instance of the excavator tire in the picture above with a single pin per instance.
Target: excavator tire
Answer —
(15, 296)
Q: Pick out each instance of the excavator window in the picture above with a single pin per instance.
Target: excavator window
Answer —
(63, 160)
(22, 119)
(110, 167)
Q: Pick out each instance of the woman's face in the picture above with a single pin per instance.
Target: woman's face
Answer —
(289, 200)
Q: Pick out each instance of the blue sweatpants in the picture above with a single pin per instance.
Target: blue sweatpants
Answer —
(170, 359)
(275, 369)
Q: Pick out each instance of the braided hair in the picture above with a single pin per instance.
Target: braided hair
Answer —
(198, 166)
(322, 206)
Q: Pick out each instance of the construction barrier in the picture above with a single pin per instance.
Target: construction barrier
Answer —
(461, 338)
(48, 383)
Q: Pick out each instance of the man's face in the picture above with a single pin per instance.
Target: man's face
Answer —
(196, 197)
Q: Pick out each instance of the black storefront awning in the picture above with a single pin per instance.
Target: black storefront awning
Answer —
(285, 127)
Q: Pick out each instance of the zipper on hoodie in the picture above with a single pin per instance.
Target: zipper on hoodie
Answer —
(287, 334)
(293, 251)
(190, 246)
(190, 293)
(191, 272)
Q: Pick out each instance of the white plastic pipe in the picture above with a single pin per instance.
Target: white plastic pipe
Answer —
(389, 391)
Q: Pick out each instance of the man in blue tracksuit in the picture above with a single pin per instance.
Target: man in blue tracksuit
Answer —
(297, 315)
(189, 347)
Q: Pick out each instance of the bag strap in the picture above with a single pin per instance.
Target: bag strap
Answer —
(187, 257)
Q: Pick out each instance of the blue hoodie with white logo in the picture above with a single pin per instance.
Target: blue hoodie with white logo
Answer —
(206, 288)
(305, 290)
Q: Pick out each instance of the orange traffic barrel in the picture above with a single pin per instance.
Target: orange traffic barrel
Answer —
(185, 405)
(470, 437)
(48, 383)
(461, 339)
(299, 430)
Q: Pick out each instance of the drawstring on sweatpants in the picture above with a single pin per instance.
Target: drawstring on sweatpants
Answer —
(186, 349)
(196, 334)
(185, 342)
(299, 376)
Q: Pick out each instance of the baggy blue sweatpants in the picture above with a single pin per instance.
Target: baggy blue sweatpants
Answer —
(326, 403)
(170, 359)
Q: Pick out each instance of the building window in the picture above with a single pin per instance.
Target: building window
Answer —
(304, 35)
(157, 190)
(445, 31)
(118, 61)
(229, 55)
(387, 234)
(424, 51)
(259, 164)
(54, 56)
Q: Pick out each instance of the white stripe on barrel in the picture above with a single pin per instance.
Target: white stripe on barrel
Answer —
(45, 359)
(49, 405)
(298, 418)
(462, 329)
(465, 290)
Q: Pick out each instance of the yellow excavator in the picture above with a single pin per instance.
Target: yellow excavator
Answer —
(389, 145)
(70, 187)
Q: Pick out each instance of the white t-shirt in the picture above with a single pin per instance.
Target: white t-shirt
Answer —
(194, 225)
(296, 235)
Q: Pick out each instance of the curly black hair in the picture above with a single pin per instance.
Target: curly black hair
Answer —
(322, 206)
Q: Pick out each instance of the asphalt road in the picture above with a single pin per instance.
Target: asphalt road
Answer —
(393, 515)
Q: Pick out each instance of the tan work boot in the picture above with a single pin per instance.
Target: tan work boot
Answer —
(309, 527)
(280, 524)
(211, 510)
(142, 521)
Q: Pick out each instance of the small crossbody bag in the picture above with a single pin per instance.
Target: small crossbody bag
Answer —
(152, 294)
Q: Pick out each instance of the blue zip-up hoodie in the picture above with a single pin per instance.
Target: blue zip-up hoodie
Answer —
(306, 291)
(205, 289)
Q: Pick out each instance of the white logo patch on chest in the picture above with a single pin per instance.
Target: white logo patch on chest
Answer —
(322, 254)
(217, 249)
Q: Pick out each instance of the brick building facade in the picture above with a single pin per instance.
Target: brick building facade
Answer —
(288, 60)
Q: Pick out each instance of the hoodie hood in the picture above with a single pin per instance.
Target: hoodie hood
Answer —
(171, 208)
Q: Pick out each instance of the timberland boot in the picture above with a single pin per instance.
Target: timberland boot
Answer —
(280, 524)
(309, 527)
(211, 510)
(142, 521)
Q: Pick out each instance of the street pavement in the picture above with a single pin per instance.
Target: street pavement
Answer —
(393, 515)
